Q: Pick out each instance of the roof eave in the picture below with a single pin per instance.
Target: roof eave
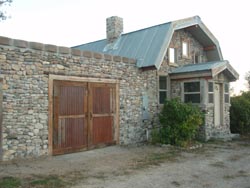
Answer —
(191, 74)
(181, 24)
(231, 72)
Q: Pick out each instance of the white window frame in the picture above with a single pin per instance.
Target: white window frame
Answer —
(171, 55)
(162, 90)
(226, 93)
(210, 92)
(185, 48)
(190, 93)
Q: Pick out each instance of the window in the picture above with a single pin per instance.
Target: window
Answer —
(210, 92)
(197, 58)
(162, 89)
(226, 92)
(192, 92)
(171, 55)
(185, 49)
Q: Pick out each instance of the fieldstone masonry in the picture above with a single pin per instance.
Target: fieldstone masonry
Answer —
(114, 28)
(25, 68)
(24, 75)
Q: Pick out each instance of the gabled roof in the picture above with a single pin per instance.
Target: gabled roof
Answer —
(148, 46)
(208, 69)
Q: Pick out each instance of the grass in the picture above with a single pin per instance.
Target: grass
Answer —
(154, 159)
(241, 173)
(34, 182)
(10, 182)
(48, 182)
(218, 164)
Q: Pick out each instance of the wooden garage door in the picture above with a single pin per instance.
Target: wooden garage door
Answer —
(102, 110)
(83, 115)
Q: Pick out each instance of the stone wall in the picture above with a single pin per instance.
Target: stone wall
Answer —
(195, 48)
(25, 69)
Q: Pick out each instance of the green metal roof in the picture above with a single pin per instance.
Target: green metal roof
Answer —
(198, 67)
(144, 45)
(149, 46)
(213, 68)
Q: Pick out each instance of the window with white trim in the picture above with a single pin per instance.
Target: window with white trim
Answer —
(185, 48)
(210, 92)
(171, 55)
(163, 89)
(192, 92)
(226, 93)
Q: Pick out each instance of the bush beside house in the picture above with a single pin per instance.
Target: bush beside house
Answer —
(180, 123)
(240, 114)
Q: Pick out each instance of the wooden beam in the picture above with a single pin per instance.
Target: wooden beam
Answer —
(148, 68)
(190, 75)
(209, 48)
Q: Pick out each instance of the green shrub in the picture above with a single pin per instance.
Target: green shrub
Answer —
(240, 114)
(10, 182)
(179, 122)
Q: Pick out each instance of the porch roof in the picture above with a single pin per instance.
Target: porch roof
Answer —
(208, 69)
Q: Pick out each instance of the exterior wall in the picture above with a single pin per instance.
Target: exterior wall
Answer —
(223, 131)
(195, 48)
(213, 132)
(208, 130)
(25, 69)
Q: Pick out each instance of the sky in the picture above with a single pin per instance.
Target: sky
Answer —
(73, 22)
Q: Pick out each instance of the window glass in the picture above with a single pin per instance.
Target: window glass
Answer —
(162, 89)
(192, 87)
(194, 98)
(184, 48)
(163, 82)
(210, 92)
(210, 87)
(163, 96)
(171, 55)
(192, 92)
(226, 93)
(210, 98)
(226, 86)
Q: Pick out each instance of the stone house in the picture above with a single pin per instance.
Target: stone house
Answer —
(56, 100)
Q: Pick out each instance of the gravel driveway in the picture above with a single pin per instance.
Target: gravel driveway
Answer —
(216, 164)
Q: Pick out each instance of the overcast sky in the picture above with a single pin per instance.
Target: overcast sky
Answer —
(74, 22)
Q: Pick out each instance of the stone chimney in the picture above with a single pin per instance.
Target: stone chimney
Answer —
(114, 28)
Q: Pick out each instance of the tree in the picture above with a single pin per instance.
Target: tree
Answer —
(240, 113)
(2, 13)
(247, 77)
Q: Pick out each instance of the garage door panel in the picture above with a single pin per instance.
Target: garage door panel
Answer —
(70, 121)
(83, 116)
(102, 130)
(71, 100)
(101, 103)
(71, 132)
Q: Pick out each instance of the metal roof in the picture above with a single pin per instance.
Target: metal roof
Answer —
(214, 68)
(143, 45)
(148, 46)
(198, 67)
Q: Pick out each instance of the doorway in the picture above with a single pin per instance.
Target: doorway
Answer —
(83, 115)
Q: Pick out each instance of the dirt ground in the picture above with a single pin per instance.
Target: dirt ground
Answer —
(216, 164)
